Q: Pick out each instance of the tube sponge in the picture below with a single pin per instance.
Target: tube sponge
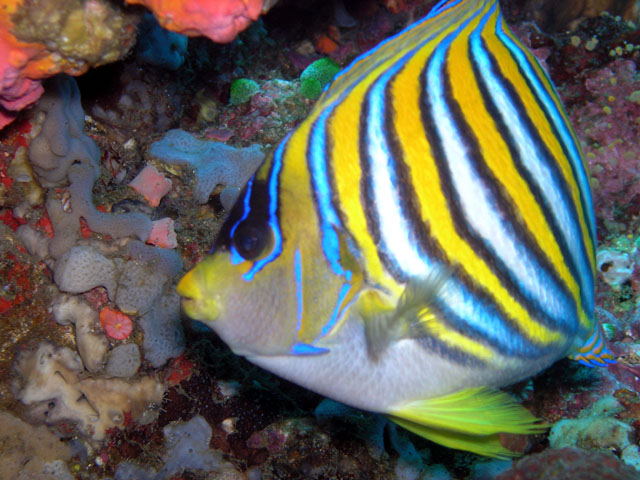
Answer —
(62, 141)
(145, 277)
(118, 226)
(124, 361)
(62, 151)
(187, 446)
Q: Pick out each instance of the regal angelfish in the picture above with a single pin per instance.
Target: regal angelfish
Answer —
(424, 237)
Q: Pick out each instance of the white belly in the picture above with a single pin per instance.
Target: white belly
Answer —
(405, 372)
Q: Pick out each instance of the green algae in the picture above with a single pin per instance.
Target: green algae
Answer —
(242, 89)
(316, 76)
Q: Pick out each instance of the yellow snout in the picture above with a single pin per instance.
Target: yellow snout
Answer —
(197, 302)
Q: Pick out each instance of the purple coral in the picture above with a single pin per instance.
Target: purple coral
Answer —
(608, 128)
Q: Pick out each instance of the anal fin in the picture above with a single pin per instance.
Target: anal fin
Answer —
(470, 420)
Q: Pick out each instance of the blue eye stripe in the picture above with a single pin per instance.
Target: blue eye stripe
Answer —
(273, 213)
(236, 258)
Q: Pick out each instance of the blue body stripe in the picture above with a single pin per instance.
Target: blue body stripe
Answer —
(297, 266)
(559, 122)
(337, 311)
(329, 219)
(483, 320)
(397, 242)
(458, 303)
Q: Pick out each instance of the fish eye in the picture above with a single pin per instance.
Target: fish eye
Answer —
(250, 239)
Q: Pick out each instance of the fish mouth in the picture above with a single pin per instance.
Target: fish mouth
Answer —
(197, 303)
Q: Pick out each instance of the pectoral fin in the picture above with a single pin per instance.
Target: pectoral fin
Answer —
(386, 323)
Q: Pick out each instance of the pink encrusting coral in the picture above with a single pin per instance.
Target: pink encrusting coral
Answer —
(151, 184)
(162, 234)
(220, 20)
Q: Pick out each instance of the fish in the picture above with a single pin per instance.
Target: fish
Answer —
(423, 238)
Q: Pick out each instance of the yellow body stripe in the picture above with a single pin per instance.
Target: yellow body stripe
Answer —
(453, 339)
(425, 178)
(347, 175)
(495, 150)
(510, 70)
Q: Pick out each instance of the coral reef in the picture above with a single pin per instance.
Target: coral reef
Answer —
(556, 16)
(87, 202)
(609, 129)
(596, 428)
(91, 342)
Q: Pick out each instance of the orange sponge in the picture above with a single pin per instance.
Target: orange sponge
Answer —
(220, 20)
